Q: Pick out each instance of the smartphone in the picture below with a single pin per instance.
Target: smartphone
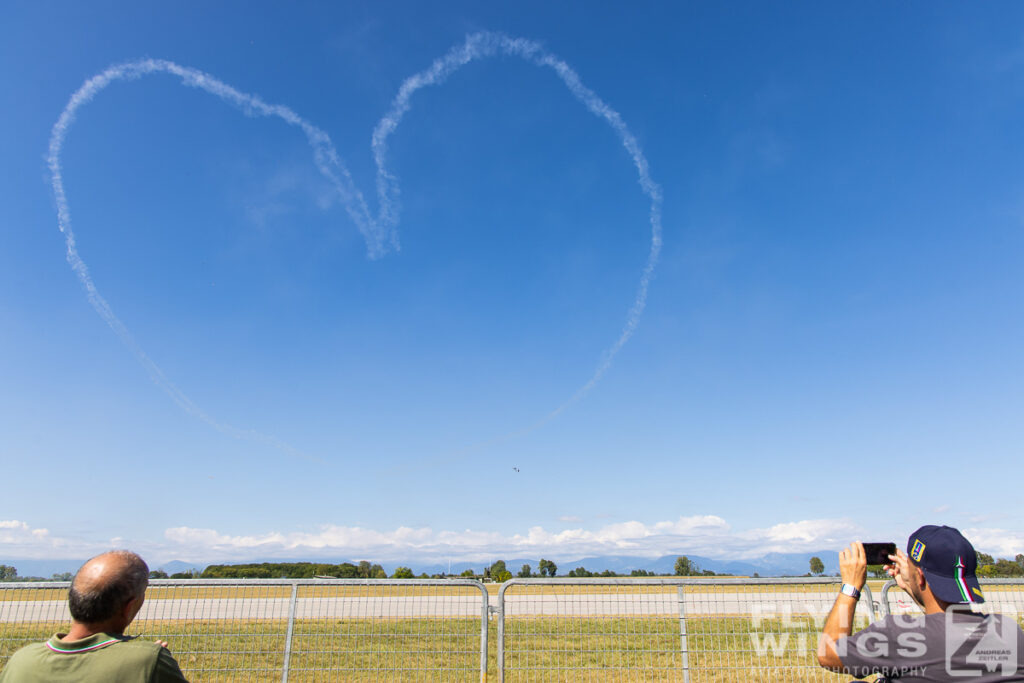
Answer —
(878, 553)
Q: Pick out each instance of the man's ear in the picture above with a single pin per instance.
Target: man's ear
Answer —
(132, 607)
(922, 582)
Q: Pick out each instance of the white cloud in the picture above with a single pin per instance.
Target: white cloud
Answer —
(996, 542)
(703, 535)
(570, 519)
(13, 531)
(808, 531)
(19, 539)
(707, 535)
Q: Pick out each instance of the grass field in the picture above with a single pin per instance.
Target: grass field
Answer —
(538, 648)
(541, 649)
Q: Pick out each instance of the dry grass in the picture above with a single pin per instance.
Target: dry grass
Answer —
(538, 649)
(35, 594)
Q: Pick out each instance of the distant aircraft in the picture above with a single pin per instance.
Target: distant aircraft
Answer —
(516, 469)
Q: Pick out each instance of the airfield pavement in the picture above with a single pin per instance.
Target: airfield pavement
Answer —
(549, 604)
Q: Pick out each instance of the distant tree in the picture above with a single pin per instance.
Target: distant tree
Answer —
(1002, 569)
(547, 568)
(641, 572)
(190, 574)
(286, 570)
(707, 572)
(158, 574)
(365, 570)
(468, 573)
(877, 571)
(817, 566)
(984, 559)
(8, 573)
(525, 572)
(62, 576)
(686, 567)
(402, 573)
(580, 572)
(608, 573)
(1020, 560)
(756, 576)
(495, 570)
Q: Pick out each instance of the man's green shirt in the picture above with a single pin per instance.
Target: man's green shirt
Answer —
(100, 657)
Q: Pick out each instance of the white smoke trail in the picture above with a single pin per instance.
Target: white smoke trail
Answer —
(485, 44)
(325, 157)
(378, 232)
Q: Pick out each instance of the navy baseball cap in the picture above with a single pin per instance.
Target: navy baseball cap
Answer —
(948, 561)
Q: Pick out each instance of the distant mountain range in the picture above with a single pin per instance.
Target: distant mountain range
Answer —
(773, 564)
(47, 568)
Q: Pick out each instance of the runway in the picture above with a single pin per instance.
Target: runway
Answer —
(662, 604)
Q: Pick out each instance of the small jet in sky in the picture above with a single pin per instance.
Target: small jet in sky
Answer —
(516, 469)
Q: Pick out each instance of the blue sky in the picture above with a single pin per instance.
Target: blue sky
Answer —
(830, 347)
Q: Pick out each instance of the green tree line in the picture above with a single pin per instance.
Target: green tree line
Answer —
(292, 570)
(991, 568)
(497, 571)
(10, 573)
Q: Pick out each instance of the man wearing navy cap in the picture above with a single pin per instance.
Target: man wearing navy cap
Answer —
(951, 642)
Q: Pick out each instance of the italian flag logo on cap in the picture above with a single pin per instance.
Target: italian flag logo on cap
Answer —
(958, 574)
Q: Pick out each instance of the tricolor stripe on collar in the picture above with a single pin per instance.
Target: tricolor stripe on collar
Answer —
(84, 649)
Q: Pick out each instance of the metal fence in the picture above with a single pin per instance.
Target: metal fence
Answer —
(565, 629)
(603, 629)
(689, 630)
(1002, 596)
(289, 630)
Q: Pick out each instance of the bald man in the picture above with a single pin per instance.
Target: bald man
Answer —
(106, 594)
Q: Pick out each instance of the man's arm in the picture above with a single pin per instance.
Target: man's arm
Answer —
(853, 568)
(167, 669)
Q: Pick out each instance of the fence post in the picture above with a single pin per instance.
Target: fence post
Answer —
(288, 636)
(485, 619)
(883, 601)
(501, 632)
(869, 600)
(683, 644)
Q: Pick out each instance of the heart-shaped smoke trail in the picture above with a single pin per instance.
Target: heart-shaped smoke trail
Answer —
(378, 231)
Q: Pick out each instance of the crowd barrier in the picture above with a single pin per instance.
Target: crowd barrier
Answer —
(692, 630)
(665, 629)
(1003, 596)
(289, 630)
